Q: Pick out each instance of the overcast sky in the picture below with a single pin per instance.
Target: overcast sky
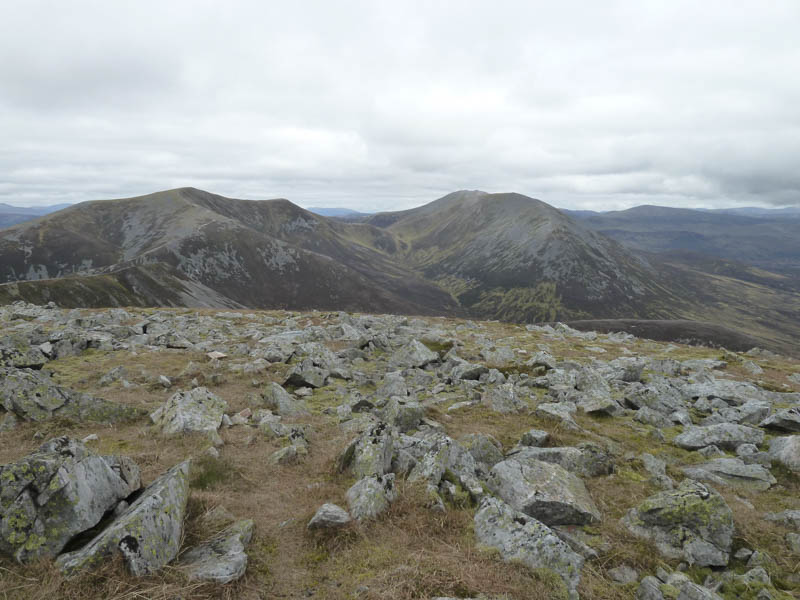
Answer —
(380, 105)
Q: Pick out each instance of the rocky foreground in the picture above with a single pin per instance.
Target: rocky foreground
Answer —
(194, 454)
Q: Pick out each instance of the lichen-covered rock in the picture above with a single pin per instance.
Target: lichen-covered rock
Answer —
(503, 399)
(147, 534)
(277, 399)
(722, 435)
(545, 491)
(732, 472)
(786, 451)
(32, 396)
(691, 523)
(585, 460)
(484, 448)
(371, 453)
(17, 353)
(403, 414)
(787, 419)
(446, 459)
(415, 354)
(222, 558)
(329, 516)
(558, 411)
(197, 410)
(56, 492)
(521, 538)
(370, 496)
(534, 437)
(307, 374)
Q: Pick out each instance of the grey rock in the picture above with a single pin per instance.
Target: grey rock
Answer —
(503, 399)
(198, 410)
(787, 420)
(652, 417)
(724, 435)
(371, 453)
(147, 535)
(414, 354)
(786, 451)
(277, 399)
(520, 538)
(732, 472)
(534, 437)
(484, 449)
(787, 518)
(32, 396)
(404, 415)
(306, 373)
(690, 523)
(623, 574)
(585, 460)
(544, 491)
(651, 588)
(370, 496)
(56, 492)
(329, 516)
(559, 411)
(656, 468)
(17, 353)
(222, 558)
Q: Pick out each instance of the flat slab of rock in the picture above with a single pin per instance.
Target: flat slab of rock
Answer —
(32, 396)
(723, 435)
(222, 558)
(57, 492)
(521, 538)
(542, 490)
(147, 534)
(197, 410)
(732, 472)
(691, 523)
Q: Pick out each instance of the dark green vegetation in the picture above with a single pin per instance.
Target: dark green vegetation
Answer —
(502, 256)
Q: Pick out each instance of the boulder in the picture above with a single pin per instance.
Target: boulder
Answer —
(17, 353)
(147, 534)
(415, 354)
(503, 399)
(32, 396)
(732, 472)
(534, 437)
(371, 453)
(403, 414)
(787, 420)
(57, 492)
(277, 399)
(545, 491)
(559, 411)
(585, 460)
(657, 469)
(370, 496)
(222, 558)
(520, 538)
(307, 374)
(198, 410)
(786, 451)
(724, 435)
(691, 523)
(486, 450)
(448, 462)
(329, 516)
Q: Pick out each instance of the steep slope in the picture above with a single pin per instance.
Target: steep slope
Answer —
(513, 257)
(249, 253)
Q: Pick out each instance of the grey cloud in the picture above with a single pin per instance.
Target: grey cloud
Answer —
(388, 105)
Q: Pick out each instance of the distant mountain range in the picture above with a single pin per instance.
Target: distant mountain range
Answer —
(503, 256)
(346, 213)
(11, 215)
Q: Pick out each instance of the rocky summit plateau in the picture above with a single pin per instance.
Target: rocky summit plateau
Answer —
(205, 453)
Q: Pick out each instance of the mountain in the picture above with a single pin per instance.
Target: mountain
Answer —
(11, 215)
(765, 239)
(189, 247)
(346, 213)
(512, 257)
(499, 256)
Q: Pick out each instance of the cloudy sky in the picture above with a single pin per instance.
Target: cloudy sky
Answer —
(379, 105)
